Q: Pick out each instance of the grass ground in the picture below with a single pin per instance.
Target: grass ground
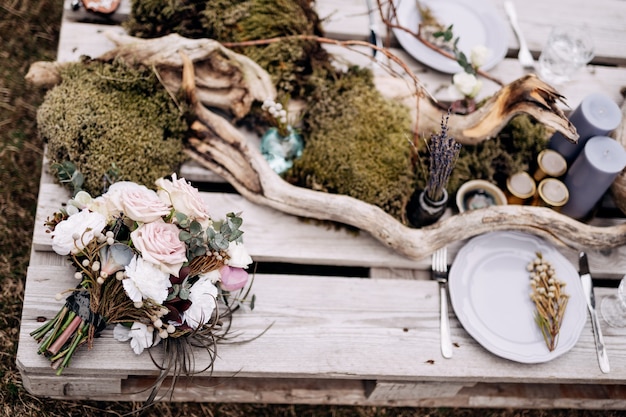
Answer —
(29, 32)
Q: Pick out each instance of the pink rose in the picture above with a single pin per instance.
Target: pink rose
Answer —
(158, 243)
(233, 279)
(143, 205)
(184, 198)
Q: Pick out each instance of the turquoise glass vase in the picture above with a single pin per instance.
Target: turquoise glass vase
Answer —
(281, 150)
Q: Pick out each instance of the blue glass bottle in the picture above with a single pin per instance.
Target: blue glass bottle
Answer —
(280, 151)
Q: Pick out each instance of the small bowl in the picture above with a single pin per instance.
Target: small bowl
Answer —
(477, 194)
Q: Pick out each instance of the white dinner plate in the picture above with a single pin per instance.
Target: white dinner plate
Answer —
(475, 23)
(490, 293)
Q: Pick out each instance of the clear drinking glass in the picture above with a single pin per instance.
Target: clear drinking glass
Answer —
(613, 308)
(566, 51)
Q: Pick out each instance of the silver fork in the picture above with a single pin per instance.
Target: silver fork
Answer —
(440, 274)
(524, 56)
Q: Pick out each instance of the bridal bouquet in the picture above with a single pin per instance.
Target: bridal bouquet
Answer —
(152, 263)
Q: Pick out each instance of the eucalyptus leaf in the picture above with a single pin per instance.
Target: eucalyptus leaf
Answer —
(195, 228)
(184, 236)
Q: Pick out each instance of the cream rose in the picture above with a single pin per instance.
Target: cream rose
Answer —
(142, 204)
(184, 198)
(479, 55)
(238, 256)
(83, 225)
(158, 243)
(113, 197)
(467, 84)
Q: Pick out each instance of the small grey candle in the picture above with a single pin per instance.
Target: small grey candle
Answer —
(592, 173)
(597, 115)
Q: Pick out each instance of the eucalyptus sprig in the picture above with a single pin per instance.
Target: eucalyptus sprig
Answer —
(549, 298)
(447, 36)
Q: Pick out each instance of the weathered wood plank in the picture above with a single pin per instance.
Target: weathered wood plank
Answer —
(331, 327)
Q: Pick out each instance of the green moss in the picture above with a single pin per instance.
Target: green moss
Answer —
(345, 151)
(108, 114)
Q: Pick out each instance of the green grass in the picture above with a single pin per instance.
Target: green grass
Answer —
(29, 32)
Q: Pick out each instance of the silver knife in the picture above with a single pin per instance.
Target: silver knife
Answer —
(585, 278)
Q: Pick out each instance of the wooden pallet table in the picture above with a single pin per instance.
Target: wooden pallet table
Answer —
(346, 320)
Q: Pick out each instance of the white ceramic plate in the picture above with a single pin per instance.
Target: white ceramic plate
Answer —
(475, 23)
(490, 293)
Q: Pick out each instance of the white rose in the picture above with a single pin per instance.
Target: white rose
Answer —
(479, 55)
(145, 280)
(84, 224)
(202, 296)
(184, 198)
(238, 256)
(467, 84)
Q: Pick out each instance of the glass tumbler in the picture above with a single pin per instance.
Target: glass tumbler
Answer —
(613, 308)
(566, 51)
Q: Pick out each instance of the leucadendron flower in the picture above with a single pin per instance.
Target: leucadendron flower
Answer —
(233, 279)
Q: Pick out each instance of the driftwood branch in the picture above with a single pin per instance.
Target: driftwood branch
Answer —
(255, 180)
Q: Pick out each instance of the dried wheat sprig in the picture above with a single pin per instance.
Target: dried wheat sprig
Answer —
(549, 298)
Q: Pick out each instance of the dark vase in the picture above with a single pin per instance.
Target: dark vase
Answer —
(422, 211)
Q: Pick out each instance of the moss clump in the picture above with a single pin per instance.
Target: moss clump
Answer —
(513, 150)
(104, 115)
(345, 152)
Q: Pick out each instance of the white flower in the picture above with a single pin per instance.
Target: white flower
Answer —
(467, 84)
(81, 201)
(83, 224)
(139, 335)
(238, 256)
(202, 296)
(479, 55)
(145, 280)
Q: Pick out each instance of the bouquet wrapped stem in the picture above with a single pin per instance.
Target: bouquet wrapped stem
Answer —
(152, 263)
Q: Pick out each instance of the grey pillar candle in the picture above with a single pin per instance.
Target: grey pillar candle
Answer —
(592, 173)
(597, 115)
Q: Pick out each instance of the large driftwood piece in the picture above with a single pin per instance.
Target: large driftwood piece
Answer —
(223, 149)
(225, 79)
